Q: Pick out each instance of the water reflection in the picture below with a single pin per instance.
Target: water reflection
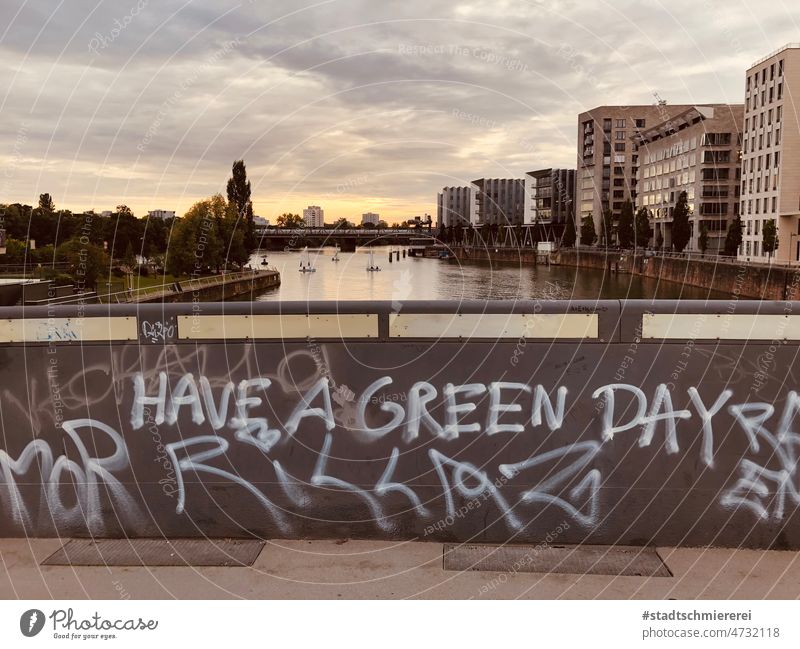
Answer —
(432, 279)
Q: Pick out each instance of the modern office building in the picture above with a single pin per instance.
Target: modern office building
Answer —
(771, 156)
(455, 205)
(608, 159)
(161, 214)
(696, 151)
(499, 201)
(314, 216)
(370, 218)
(550, 202)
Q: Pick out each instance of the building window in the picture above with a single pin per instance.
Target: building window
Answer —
(619, 146)
(639, 123)
(620, 135)
(607, 124)
(620, 123)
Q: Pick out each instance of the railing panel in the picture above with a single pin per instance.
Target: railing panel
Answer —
(636, 431)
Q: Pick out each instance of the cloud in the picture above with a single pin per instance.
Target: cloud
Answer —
(148, 103)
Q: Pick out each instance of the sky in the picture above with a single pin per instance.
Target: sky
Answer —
(353, 105)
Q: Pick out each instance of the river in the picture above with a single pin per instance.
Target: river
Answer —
(433, 279)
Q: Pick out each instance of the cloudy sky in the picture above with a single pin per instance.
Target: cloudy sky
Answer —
(355, 105)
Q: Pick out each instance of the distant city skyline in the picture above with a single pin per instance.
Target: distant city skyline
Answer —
(351, 105)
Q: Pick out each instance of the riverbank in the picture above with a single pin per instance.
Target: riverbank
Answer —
(216, 288)
(736, 278)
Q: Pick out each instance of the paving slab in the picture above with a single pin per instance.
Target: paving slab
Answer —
(386, 570)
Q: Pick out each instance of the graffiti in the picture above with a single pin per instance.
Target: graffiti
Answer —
(156, 332)
(85, 478)
(198, 439)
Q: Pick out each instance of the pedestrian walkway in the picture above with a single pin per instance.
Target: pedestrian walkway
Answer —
(385, 570)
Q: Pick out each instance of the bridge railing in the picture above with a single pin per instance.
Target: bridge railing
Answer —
(608, 422)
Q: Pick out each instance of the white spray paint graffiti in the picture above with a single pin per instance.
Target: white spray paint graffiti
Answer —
(230, 416)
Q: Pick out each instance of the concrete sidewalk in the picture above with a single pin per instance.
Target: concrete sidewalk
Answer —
(381, 570)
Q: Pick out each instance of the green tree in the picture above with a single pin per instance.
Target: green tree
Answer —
(233, 236)
(625, 229)
(570, 236)
(733, 238)
(287, 220)
(770, 237)
(155, 235)
(16, 252)
(196, 245)
(343, 224)
(122, 230)
(642, 228)
(46, 203)
(86, 261)
(239, 196)
(588, 234)
(381, 225)
(681, 228)
(702, 239)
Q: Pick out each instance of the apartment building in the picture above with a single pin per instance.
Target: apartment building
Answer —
(314, 216)
(455, 205)
(161, 214)
(770, 187)
(550, 201)
(608, 159)
(696, 151)
(370, 218)
(499, 201)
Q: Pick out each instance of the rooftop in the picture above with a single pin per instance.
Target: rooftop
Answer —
(788, 46)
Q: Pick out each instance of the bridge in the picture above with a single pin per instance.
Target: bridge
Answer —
(347, 239)
(667, 423)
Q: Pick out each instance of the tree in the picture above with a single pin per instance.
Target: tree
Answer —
(287, 220)
(155, 235)
(608, 227)
(86, 261)
(659, 239)
(239, 198)
(343, 223)
(681, 228)
(46, 203)
(123, 230)
(197, 244)
(625, 229)
(642, 229)
(588, 234)
(381, 225)
(733, 238)
(569, 237)
(770, 237)
(702, 240)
